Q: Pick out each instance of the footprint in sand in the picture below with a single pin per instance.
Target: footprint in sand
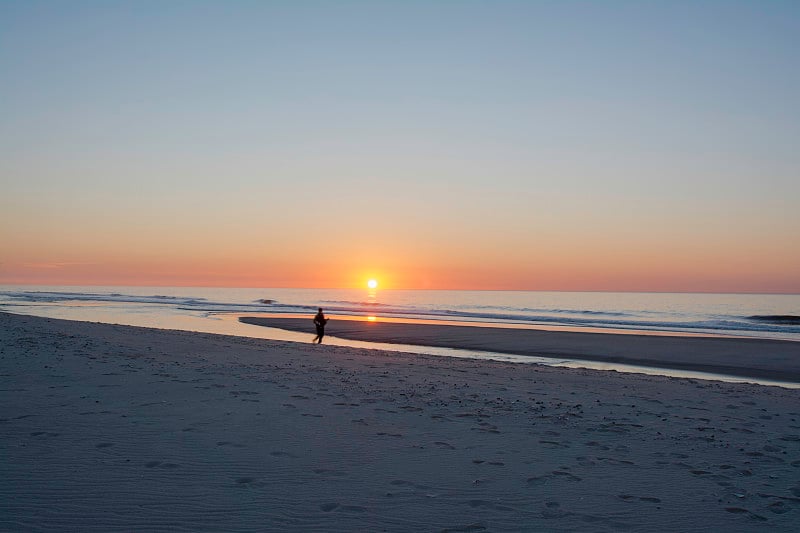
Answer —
(555, 474)
(630, 498)
(553, 444)
(778, 508)
(282, 454)
(553, 510)
(228, 443)
(566, 475)
(649, 499)
(739, 510)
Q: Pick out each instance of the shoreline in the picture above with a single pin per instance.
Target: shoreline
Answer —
(739, 357)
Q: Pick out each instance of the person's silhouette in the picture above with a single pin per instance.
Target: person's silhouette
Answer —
(319, 322)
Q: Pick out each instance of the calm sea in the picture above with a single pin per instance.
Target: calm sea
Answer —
(216, 309)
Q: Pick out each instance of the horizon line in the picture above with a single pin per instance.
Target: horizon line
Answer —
(211, 286)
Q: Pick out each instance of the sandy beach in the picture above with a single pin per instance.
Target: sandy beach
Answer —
(118, 428)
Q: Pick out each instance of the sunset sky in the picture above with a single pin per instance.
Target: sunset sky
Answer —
(644, 146)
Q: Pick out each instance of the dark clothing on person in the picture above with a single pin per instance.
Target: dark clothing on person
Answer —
(319, 322)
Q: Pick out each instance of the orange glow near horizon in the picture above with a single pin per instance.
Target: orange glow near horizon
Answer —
(636, 261)
(609, 273)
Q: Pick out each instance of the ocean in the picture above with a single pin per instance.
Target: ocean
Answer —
(216, 309)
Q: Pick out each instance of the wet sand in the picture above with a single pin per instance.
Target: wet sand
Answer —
(117, 428)
(757, 358)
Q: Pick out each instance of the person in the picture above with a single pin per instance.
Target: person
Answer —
(319, 322)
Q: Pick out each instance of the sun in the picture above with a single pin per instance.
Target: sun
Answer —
(372, 284)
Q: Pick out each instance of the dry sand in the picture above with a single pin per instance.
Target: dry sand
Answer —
(115, 428)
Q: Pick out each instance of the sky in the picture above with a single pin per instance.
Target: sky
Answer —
(530, 145)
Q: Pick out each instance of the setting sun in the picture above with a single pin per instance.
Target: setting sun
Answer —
(372, 284)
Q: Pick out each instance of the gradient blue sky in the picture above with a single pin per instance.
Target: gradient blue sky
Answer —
(530, 145)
